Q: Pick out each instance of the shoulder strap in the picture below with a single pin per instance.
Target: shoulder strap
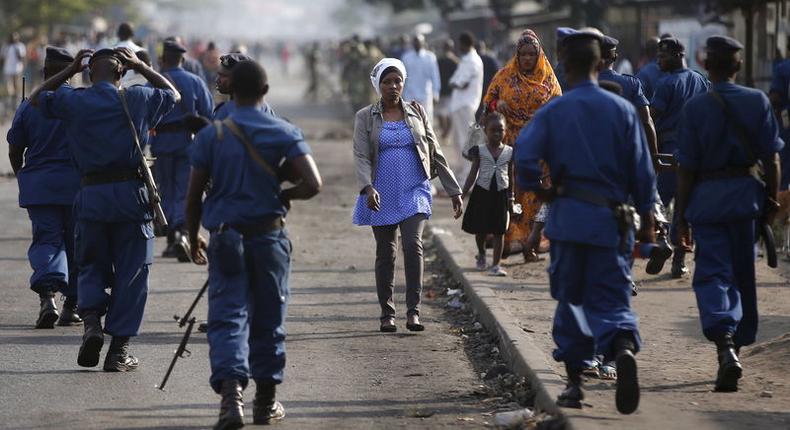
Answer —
(218, 128)
(259, 160)
(122, 95)
(740, 132)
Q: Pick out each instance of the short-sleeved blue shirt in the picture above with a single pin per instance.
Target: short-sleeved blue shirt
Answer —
(242, 192)
(592, 141)
(224, 109)
(196, 99)
(48, 176)
(632, 88)
(671, 94)
(706, 143)
(649, 75)
(102, 142)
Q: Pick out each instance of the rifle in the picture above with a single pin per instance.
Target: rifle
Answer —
(189, 321)
(160, 220)
(24, 79)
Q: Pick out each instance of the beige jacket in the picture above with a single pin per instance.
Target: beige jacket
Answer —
(367, 130)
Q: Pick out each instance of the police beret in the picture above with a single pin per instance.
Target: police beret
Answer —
(722, 43)
(609, 42)
(59, 55)
(171, 45)
(671, 44)
(563, 32)
(582, 35)
(227, 61)
(104, 53)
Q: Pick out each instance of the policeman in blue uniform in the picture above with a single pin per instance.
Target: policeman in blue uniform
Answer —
(48, 183)
(114, 236)
(671, 93)
(779, 95)
(224, 83)
(722, 135)
(249, 249)
(650, 73)
(633, 92)
(559, 69)
(598, 157)
(170, 140)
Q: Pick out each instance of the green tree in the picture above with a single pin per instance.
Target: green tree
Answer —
(46, 13)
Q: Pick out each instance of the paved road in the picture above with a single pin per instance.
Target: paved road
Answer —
(341, 372)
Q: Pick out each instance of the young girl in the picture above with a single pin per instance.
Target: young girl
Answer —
(492, 198)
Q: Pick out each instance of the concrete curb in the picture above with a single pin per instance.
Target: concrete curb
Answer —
(517, 346)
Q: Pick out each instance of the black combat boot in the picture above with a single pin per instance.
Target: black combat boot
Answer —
(92, 340)
(627, 392)
(730, 369)
(572, 395)
(679, 263)
(658, 256)
(181, 247)
(265, 409)
(118, 358)
(48, 311)
(69, 315)
(231, 409)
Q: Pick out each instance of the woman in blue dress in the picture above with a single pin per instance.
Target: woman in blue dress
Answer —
(396, 155)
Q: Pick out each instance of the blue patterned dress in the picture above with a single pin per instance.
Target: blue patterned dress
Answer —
(400, 180)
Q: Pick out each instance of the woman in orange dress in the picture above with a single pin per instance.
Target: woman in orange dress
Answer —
(518, 90)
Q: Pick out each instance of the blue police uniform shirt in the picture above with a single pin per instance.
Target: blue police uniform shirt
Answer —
(241, 191)
(592, 141)
(632, 87)
(703, 146)
(671, 94)
(102, 141)
(559, 73)
(780, 83)
(224, 109)
(649, 75)
(196, 99)
(48, 176)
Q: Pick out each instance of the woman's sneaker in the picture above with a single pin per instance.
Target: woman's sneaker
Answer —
(497, 271)
(481, 262)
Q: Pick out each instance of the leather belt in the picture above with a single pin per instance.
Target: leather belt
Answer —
(110, 176)
(725, 173)
(257, 228)
(171, 127)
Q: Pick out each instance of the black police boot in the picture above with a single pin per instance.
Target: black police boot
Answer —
(658, 256)
(169, 251)
(181, 247)
(92, 340)
(730, 369)
(48, 311)
(231, 409)
(572, 395)
(69, 315)
(265, 409)
(634, 289)
(627, 391)
(679, 263)
(118, 358)
(203, 327)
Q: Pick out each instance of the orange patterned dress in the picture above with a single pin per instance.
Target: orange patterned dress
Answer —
(524, 94)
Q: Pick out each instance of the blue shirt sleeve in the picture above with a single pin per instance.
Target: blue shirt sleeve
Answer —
(644, 178)
(639, 94)
(17, 134)
(200, 149)
(158, 103)
(530, 149)
(689, 150)
(297, 149)
(205, 103)
(57, 104)
(769, 142)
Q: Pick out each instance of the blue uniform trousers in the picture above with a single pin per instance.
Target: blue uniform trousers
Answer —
(724, 280)
(593, 287)
(118, 256)
(172, 176)
(246, 312)
(51, 253)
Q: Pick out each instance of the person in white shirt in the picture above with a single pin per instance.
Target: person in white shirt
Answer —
(125, 34)
(424, 82)
(13, 54)
(467, 85)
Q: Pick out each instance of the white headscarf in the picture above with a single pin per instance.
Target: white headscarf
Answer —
(381, 66)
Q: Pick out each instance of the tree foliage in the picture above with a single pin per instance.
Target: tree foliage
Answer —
(38, 13)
